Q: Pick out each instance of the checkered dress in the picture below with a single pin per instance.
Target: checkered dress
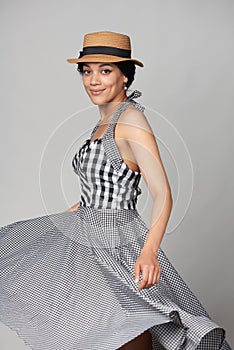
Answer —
(67, 279)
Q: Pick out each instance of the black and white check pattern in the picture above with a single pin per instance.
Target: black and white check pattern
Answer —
(67, 279)
(106, 180)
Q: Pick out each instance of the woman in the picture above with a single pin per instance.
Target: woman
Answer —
(94, 277)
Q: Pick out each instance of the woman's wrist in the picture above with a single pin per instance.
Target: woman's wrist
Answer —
(150, 248)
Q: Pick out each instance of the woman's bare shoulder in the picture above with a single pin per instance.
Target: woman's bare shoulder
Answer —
(134, 120)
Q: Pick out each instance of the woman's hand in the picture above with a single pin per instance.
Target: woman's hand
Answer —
(148, 264)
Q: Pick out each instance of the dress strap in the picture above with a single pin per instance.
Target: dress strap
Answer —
(136, 94)
(124, 105)
(130, 100)
(109, 143)
(94, 129)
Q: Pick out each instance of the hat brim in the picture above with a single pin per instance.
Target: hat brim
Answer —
(103, 58)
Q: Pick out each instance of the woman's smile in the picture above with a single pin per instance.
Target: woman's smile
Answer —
(96, 92)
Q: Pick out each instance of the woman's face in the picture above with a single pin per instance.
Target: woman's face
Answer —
(104, 82)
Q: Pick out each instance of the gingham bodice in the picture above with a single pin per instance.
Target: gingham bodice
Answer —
(106, 180)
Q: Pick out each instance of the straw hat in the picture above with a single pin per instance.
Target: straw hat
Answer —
(105, 47)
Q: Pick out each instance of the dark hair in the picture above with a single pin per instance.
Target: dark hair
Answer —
(128, 69)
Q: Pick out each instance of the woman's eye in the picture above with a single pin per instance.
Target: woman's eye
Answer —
(106, 71)
(86, 71)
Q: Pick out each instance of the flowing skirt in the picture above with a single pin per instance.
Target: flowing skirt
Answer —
(67, 283)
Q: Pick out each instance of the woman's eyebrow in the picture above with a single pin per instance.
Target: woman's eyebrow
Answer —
(105, 64)
(100, 65)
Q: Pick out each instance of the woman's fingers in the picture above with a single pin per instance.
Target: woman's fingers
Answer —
(155, 278)
(159, 274)
(148, 267)
(150, 276)
(145, 276)
(137, 271)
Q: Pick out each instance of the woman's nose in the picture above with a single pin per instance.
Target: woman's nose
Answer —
(94, 79)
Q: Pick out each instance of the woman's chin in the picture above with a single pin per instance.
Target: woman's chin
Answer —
(99, 101)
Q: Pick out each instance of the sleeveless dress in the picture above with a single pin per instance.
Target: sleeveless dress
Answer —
(67, 279)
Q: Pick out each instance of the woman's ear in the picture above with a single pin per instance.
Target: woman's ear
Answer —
(125, 79)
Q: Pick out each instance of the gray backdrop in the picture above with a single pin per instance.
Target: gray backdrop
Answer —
(187, 85)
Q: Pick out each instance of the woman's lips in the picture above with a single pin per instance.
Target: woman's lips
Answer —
(96, 92)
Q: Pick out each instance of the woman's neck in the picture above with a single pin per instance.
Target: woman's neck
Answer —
(107, 110)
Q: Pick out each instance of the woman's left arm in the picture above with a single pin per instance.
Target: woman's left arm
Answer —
(142, 142)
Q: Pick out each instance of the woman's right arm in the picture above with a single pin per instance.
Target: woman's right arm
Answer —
(74, 207)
